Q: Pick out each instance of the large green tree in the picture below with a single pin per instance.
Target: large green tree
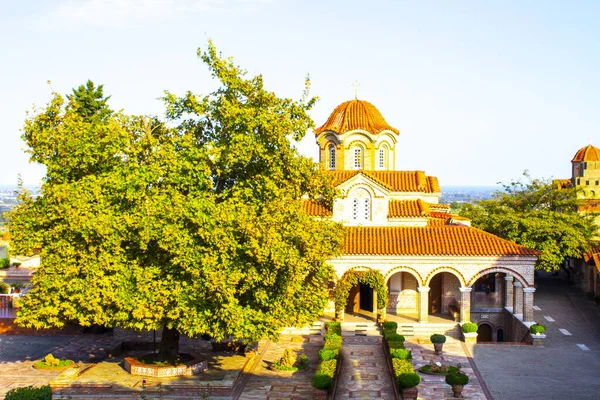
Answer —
(537, 214)
(194, 226)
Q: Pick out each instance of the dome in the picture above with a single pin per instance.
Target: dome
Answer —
(588, 153)
(356, 114)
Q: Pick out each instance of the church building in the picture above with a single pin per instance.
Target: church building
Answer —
(433, 266)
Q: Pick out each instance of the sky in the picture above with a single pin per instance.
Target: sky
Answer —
(480, 90)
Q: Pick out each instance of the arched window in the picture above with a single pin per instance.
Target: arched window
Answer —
(331, 156)
(358, 158)
(382, 157)
(361, 205)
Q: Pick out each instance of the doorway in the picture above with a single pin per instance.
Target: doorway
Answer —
(484, 333)
(366, 298)
(435, 294)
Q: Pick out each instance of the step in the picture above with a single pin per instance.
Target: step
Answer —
(360, 329)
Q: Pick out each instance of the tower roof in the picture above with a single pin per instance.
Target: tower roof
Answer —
(587, 153)
(356, 114)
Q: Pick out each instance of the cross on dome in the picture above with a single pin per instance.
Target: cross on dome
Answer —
(355, 85)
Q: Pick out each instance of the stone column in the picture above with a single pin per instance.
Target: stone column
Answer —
(423, 304)
(518, 296)
(508, 292)
(465, 304)
(528, 304)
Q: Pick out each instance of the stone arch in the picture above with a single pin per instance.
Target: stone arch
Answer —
(410, 270)
(498, 269)
(492, 331)
(451, 270)
(368, 276)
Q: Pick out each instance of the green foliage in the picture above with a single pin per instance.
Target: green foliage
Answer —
(192, 225)
(323, 378)
(334, 327)
(4, 288)
(396, 344)
(328, 354)
(437, 338)
(333, 341)
(408, 380)
(288, 361)
(538, 215)
(371, 278)
(390, 327)
(401, 366)
(393, 337)
(469, 327)
(4, 262)
(322, 381)
(457, 378)
(402, 354)
(537, 328)
(29, 393)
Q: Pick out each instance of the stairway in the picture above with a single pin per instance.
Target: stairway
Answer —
(416, 330)
(363, 328)
(316, 328)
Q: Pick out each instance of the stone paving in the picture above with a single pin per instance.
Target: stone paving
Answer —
(365, 373)
(434, 386)
(264, 384)
(560, 370)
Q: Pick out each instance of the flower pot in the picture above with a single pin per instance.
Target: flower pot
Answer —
(410, 393)
(457, 390)
(438, 348)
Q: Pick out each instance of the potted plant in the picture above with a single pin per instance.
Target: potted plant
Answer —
(537, 329)
(457, 380)
(438, 341)
(469, 330)
(408, 382)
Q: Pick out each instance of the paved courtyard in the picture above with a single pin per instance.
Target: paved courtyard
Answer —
(568, 367)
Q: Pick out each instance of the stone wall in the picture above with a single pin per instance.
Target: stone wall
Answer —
(404, 300)
(450, 291)
(516, 330)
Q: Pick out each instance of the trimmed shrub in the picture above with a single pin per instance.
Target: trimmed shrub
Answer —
(328, 354)
(321, 381)
(408, 380)
(390, 327)
(537, 328)
(30, 393)
(333, 341)
(469, 327)
(437, 338)
(4, 288)
(302, 362)
(457, 378)
(401, 366)
(334, 327)
(4, 263)
(396, 345)
(401, 354)
(393, 337)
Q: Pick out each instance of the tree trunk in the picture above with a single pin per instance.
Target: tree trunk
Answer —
(169, 344)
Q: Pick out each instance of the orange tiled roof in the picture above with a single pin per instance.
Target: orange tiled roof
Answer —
(587, 153)
(594, 256)
(356, 114)
(589, 205)
(315, 209)
(408, 208)
(431, 240)
(396, 181)
(439, 206)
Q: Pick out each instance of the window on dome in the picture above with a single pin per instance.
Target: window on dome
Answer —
(331, 156)
(358, 158)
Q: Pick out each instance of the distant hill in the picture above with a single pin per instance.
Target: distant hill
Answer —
(467, 194)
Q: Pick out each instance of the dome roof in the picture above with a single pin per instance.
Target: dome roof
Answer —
(587, 153)
(356, 114)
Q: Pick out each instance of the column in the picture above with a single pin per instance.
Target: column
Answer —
(465, 304)
(518, 296)
(528, 304)
(423, 304)
(508, 292)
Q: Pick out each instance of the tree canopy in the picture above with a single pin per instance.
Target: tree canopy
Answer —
(537, 214)
(194, 225)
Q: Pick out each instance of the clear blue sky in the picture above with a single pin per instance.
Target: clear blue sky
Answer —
(480, 90)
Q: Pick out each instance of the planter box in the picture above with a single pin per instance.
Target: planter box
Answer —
(538, 340)
(470, 337)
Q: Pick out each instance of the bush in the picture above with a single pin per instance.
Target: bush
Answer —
(328, 354)
(30, 393)
(401, 366)
(302, 362)
(333, 341)
(4, 288)
(537, 328)
(437, 338)
(50, 362)
(334, 327)
(321, 381)
(408, 380)
(4, 263)
(393, 337)
(390, 327)
(401, 354)
(287, 362)
(469, 327)
(457, 378)
(327, 368)
(395, 345)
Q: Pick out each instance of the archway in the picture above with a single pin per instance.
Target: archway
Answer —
(403, 295)
(484, 333)
(361, 291)
(444, 292)
(500, 335)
